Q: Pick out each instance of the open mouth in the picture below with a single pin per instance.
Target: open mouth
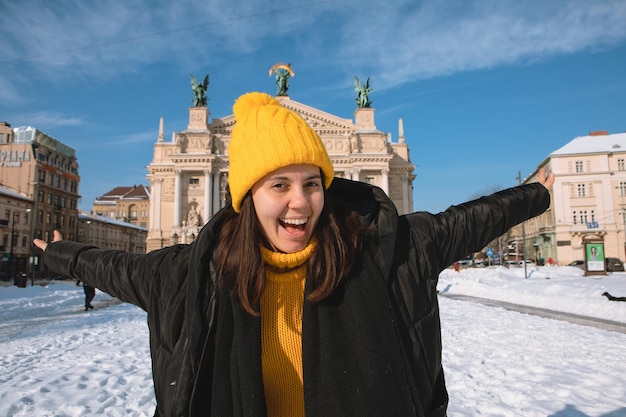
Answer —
(294, 225)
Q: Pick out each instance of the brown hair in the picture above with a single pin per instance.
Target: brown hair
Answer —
(241, 268)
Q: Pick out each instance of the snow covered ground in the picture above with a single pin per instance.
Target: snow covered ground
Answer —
(58, 360)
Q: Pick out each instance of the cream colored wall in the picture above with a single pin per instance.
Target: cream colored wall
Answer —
(602, 178)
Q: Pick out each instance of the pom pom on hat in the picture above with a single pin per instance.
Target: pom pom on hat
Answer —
(266, 137)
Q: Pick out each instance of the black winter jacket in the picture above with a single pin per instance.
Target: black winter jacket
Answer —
(373, 348)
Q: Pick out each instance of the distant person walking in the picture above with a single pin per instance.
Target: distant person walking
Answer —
(90, 293)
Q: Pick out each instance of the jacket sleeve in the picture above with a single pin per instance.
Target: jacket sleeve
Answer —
(133, 278)
(469, 227)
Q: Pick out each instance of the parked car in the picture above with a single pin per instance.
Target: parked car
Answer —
(579, 264)
(614, 265)
(465, 263)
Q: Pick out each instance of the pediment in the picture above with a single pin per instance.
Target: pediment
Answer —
(321, 121)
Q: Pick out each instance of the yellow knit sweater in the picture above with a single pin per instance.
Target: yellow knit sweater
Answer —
(281, 331)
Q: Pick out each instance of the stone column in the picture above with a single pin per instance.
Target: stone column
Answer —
(385, 184)
(177, 197)
(155, 204)
(405, 195)
(208, 193)
(216, 191)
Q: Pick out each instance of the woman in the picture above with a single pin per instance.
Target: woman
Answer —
(308, 295)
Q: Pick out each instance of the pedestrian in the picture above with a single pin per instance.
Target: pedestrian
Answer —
(90, 293)
(305, 295)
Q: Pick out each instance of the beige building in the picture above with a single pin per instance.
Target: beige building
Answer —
(45, 170)
(129, 204)
(15, 232)
(588, 201)
(189, 174)
(108, 233)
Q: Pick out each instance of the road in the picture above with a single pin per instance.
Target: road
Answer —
(542, 312)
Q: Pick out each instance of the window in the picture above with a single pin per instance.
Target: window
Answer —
(194, 181)
(620, 164)
(574, 218)
(593, 215)
(582, 190)
(48, 218)
(622, 188)
(583, 216)
(49, 198)
(579, 166)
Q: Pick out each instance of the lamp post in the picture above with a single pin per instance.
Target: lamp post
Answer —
(10, 268)
(34, 218)
(622, 191)
(519, 178)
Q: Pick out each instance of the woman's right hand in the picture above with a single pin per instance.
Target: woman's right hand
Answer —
(41, 244)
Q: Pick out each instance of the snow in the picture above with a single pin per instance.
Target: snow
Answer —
(58, 360)
(593, 144)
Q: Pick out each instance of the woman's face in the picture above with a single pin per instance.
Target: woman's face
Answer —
(288, 203)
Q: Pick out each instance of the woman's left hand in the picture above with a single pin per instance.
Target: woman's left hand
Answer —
(546, 181)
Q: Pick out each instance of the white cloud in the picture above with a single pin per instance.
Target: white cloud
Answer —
(50, 119)
(408, 43)
(396, 41)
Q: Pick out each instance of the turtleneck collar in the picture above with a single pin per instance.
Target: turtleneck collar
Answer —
(288, 260)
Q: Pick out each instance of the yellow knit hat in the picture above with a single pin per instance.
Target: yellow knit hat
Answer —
(268, 136)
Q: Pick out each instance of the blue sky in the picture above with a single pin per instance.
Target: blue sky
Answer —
(485, 88)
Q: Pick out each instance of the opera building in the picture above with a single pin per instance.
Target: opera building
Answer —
(188, 174)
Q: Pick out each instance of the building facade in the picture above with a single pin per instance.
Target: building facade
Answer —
(15, 233)
(588, 201)
(128, 204)
(189, 175)
(108, 233)
(45, 170)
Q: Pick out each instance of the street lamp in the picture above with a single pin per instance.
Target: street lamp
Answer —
(622, 191)
(10, 268)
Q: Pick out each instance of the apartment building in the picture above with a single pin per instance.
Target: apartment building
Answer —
(588, 201)
(45, 170)
(109, 233)
(130, 204)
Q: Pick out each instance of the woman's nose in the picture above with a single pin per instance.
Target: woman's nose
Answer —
(298, 198)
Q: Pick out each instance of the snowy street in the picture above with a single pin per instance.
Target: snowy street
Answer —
(58, 360)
